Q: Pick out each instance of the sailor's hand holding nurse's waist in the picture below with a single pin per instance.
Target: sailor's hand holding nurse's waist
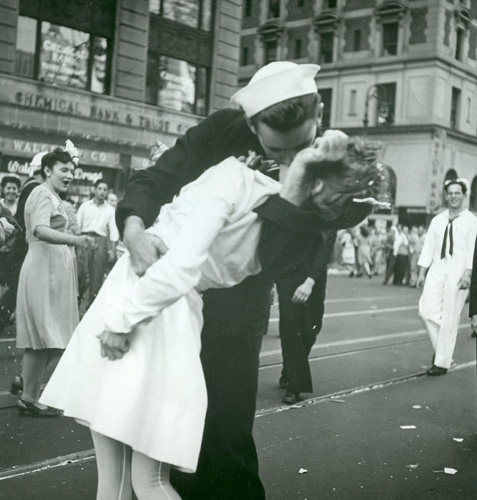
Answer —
(113, 345)
(144, 248)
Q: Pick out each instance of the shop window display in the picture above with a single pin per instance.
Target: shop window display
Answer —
(193, 13)
(176, 84)
(61, 55)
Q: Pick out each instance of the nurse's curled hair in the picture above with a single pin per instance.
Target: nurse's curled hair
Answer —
(357, 176)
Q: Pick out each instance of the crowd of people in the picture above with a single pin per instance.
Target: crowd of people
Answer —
(393, 252)
(163, 366)
(39, 268)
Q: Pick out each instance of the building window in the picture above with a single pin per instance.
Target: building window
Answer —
(459, 42)
(271, 51)
(273, 8)
(455, 107)
(193, 13)
(62, 56)
(244, 57)
(26, 47)
(300, 3)
(356, 40)
(326, 47)
(387, 109)
(176, 84)
(469, 109)
(298, 48)
(352, 103)
(248, 8)
(390, 39)
(330, 4)
(326, 98)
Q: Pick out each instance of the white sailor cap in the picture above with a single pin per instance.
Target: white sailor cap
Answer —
(274, 83)
(36, 161)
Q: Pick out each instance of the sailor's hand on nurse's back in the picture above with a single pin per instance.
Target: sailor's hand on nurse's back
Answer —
(144, 248)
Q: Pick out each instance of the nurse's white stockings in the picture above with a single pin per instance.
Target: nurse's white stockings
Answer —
(122, 471)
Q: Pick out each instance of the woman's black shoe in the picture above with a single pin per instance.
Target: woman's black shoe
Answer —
(17, 385)
(27, 409)
(291, 398)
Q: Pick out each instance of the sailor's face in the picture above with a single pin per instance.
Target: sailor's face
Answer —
(455, 197)
(283, 146)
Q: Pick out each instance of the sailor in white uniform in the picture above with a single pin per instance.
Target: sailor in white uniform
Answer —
(447, 256)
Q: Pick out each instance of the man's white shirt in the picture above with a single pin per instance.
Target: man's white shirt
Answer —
(99, 219)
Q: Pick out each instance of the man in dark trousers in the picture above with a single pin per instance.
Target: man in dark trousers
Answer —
(279, 117)
(301, 298)
(473, 294)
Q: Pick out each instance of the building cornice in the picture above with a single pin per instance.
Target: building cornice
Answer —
(391, 10)
(426, 128)
(327, 20)
(271, 30)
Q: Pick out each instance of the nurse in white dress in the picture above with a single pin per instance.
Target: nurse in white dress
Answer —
(146, 408)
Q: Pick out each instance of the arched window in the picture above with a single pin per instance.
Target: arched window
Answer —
(473, 196)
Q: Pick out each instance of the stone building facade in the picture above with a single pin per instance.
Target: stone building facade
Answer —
(401, 71)
(114, 76)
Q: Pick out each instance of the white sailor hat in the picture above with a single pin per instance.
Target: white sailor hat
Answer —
(274, 83)
(36, 161)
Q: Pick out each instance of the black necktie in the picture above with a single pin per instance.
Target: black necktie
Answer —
(451, 240)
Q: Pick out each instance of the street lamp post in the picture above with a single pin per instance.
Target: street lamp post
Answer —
(379, 93)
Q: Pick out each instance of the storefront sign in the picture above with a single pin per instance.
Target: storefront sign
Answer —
(106, 110)
(18, 166)
(30, 149)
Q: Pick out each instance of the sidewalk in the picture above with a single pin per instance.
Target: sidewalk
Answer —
(352, 447)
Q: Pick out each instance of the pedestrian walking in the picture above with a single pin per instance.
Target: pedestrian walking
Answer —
(390, 258)
(415, 248)
(96, 219)
(401, 256)
(364, 251)
(150, 394)
(447, 258)
(47, 311)
(348, 254)
(380, 252)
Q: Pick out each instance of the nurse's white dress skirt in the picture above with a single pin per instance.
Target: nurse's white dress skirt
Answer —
(153, 399)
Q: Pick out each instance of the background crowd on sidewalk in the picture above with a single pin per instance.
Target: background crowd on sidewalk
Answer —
(392, 253)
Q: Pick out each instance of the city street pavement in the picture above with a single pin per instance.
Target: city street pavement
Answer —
(375, 428)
